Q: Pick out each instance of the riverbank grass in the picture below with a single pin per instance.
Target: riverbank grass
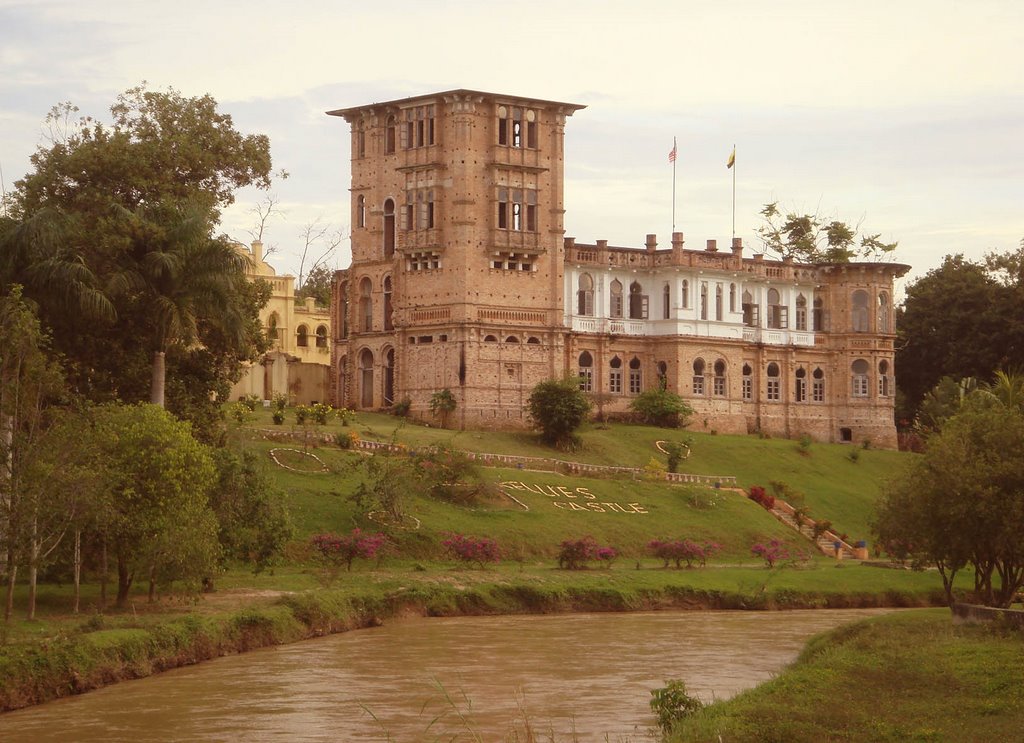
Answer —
(912, 676)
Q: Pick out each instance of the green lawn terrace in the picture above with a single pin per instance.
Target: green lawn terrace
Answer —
(838, 482)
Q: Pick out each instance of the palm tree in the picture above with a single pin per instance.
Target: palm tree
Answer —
(1008, 388)
(183, 278)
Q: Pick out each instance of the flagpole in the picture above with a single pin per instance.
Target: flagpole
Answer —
(733, 192)
(673, 184)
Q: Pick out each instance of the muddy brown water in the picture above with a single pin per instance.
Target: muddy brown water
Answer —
(465, 678)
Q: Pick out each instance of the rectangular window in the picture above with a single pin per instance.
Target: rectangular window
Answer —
(801, 318)
(517, 209)
(774, 389)
(508, 261)
(634, 382)
(531, 134)
(698, 386)
(801, 390)
(426, 204)
(860, 385)
(615, 381)
(616, 306)
(418, 128)
(748, 388)
(818, 390)
(586, 379)
(719, 389)
(751, 315)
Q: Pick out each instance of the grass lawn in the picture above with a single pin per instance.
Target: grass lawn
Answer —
(913, 676)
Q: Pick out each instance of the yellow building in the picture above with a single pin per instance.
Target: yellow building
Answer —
(298, 363)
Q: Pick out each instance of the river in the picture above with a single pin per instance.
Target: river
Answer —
(464, 678)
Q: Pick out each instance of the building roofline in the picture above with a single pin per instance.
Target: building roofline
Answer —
(345, 112)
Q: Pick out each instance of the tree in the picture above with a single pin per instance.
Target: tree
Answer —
(810, 238)
(158, 518)
(443, 403)
(962, 503)
(558, 408)
(319, 244)
(661, 408)
(317, 285)
(135, 193)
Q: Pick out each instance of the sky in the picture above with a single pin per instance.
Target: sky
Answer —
(905, 117)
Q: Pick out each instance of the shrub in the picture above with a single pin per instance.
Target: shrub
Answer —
(662, 408)
(320, 413)
(773, 552)
(574, 554)
(278, 416)
(681, 550)
(401, 408)
(804, 446)
(470, 549)
(671, 704)
(443, 403)
(344, 415)
(447, 473)
(346, 439)
(759, 496)
(676, 452)
(250, 401)
(558, 408)
(337, 550)
(280, 401)
(240, 412)
(302, 414)
(820, 527)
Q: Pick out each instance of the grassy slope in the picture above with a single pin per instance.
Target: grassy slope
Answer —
(911, 676)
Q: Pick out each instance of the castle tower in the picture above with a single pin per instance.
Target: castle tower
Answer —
(457, 254)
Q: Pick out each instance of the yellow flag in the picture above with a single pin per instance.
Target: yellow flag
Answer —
(732, 158)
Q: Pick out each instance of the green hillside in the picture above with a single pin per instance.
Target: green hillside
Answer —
(833, 485)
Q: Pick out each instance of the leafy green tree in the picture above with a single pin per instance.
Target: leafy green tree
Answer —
(558, 407)
(158, 519)
(141, 197)
(253, 520)
(661, 408)
(443, 404)
(962, 503)
(962, 319)
(317, 284)
(809, 238)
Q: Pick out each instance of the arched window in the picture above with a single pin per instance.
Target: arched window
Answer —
(801, 312)
(321, 336)
(637, 302)
(859, 312)
(616, 299)
(732, 297)
(662, 375)
(751, 311)
(361, 211)
(389, 323)
(366, 378)
(884, 380)
(533, 340)
(389, 228)
(585, 296)
(360, 137)
(302, 336)
(342, 395)
(389, 377)
(819, 314)
(774, 387)
(703, 300)
(390, 136)
(698, 377)
(341, 321)
(778, 315)
(818, 385)
(512, 339)
(748, 382)
(365, 305)
(883, 312)
(666, 302)
(586, 370)
(718, 390)
(860, 369)
(615, 376)
(490, 339)
(686, 294)
(800, 389)
(718, 301)
(635, 379)
(273, 331)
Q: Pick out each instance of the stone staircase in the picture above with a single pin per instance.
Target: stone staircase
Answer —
(825, 542)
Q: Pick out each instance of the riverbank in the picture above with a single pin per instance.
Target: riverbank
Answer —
(912, 676)
(78, 653)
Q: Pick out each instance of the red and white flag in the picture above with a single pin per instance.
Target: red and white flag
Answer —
(672, 152)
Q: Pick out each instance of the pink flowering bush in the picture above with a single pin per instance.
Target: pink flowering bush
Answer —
(761, 497)
(337, 550)
(680, 550)
(574, 554)
(772, 553)
(470, 549)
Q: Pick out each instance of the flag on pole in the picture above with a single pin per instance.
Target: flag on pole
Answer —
(732, 158)
(672, 152)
